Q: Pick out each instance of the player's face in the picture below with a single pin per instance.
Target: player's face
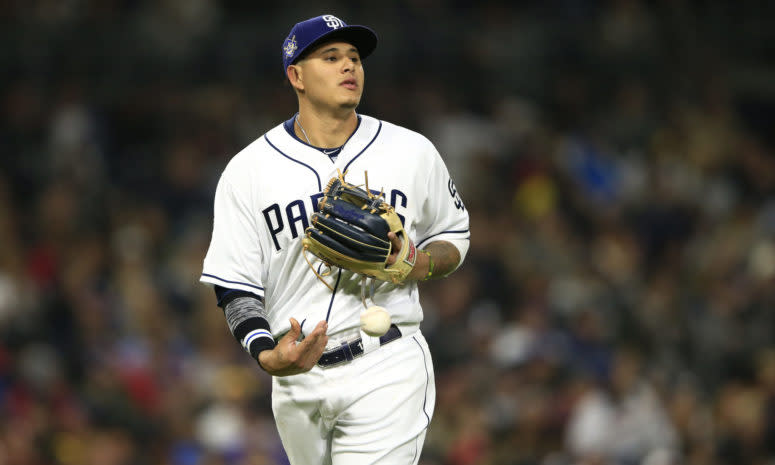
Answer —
(333, 75)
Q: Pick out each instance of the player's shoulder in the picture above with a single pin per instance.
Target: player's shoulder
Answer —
(399, 134)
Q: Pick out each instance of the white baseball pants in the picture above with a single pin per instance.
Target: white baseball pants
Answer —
(372, 410)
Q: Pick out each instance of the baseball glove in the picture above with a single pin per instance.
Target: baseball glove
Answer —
(350, 229)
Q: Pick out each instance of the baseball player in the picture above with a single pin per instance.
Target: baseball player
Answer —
(339, 396)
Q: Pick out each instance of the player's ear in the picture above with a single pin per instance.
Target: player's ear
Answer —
(295, 77)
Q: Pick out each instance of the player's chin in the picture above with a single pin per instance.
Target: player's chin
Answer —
(350, 103)
(350, 98)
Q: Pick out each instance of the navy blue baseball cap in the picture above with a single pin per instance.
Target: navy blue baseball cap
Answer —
(314, 31)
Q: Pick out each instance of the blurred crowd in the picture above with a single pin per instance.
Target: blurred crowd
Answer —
(617, 159)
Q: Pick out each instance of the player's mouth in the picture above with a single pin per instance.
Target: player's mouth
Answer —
(349, 84)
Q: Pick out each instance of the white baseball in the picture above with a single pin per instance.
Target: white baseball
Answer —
(375, 321)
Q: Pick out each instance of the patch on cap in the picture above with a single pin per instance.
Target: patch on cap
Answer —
(315, 30)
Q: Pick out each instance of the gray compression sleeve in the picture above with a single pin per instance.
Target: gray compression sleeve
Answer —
(247, 320)
(242, 309)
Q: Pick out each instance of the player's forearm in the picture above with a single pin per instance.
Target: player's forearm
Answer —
(440, 260)
(247, 321)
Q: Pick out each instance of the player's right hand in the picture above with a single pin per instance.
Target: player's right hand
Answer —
(290, 357)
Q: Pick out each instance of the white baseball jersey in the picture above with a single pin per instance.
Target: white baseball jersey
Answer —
(263, 204)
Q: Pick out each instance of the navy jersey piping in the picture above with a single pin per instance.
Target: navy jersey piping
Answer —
(288, 125)
(336, 286)
(364, 149)
(317, 176)
(222, 292)
(419, 244)
(425, 365)
(233, 282)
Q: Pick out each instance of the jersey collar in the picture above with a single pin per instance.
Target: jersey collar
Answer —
(288, 125)
(284, 137)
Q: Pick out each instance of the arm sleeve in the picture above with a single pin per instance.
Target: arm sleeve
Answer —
(444, 216)
(234, 258)
(247, 320)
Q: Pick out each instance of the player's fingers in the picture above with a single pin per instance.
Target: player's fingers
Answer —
(317, 334)
(316, 341)
(394, 239)
(321, 326)
(315, 350)
(396, 243)
(295, 331)
(311, 348)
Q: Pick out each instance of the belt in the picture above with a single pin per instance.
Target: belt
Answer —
(350, 350)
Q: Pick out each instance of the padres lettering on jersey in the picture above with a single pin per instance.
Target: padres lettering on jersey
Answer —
(293, 219)
(263, 203)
